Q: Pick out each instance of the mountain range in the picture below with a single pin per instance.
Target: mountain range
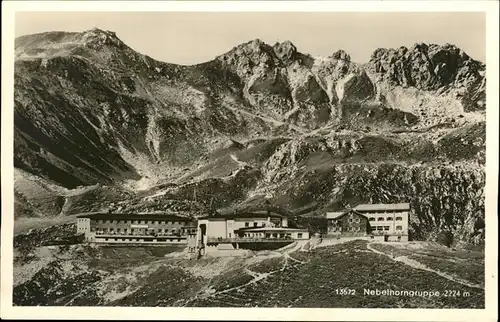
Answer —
(99, 127)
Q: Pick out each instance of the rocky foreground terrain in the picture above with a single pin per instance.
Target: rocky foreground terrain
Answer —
(99, 126)
(297, 276)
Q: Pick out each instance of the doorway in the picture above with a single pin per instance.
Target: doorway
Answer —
(203, 229)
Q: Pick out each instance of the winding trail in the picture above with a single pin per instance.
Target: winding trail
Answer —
(417, 265)
(256, 276)
(285, 252)
(287, 256)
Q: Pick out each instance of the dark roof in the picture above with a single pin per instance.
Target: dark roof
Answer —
(239, 215)
(129, 216)
(336, 215)
(383, 206)
(250, 229)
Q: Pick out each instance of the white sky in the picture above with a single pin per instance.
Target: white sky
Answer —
(195, 37)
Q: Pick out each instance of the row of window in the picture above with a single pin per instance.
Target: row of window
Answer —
(353, 229)
(282, 235)
(386, 227)
(388, 218)
(143, 239)
(255, 224)
(338, 222)
(270, 235)
(152, 222)
(358, 220)
(132, 230)
(377, 228)
(253, 235)
(385, 212)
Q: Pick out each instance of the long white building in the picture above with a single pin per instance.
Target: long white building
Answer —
(247, 227)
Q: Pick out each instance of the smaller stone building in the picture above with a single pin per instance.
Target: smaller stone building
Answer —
(349, 223)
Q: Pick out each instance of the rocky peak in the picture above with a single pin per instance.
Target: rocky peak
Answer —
(100, 33)
(257, 44)
(244, 58)
(98, 38)
(286, 51)
(431, 67)
(257, 52)
(56, 44)
(421, 47)
(441, 63)
(254, 46)
(341, 55)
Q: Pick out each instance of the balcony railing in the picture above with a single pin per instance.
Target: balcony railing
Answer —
(248, 239)
(108, 235)
(387, 232)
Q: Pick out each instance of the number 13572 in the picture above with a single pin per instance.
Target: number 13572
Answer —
(345, 291)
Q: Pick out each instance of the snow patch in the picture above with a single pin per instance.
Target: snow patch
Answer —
(151, 173)
(339, 88)
(158, 194)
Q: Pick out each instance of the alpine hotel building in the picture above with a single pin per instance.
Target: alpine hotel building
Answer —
(110, 228)
(388, 222)
(136, 228)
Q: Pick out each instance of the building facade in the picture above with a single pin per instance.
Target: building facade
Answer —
(206, 234)
(388, 220)
(349, 223)
(273, 233)
(136, 228)
(255, 226)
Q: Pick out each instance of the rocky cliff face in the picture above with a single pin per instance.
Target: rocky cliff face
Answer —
(434, 68)
(430, 80)
(95, 119)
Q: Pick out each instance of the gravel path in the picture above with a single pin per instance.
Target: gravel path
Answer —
(415, 264)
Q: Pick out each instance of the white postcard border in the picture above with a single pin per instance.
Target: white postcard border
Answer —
(128, 313)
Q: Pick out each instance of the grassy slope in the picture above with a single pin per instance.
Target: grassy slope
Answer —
(468, 265)
(313, 283)
(144, 277)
